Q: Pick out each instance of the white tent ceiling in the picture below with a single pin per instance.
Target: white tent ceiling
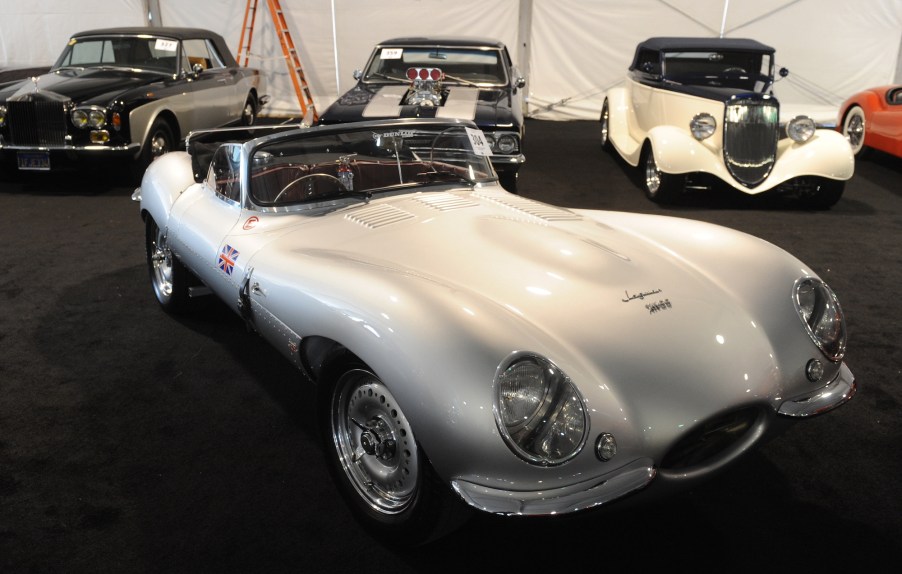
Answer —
(572, 50)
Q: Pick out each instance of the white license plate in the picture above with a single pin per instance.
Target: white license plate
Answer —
(34, 160)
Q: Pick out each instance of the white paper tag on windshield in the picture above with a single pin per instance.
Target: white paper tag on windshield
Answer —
(166, 45)
(391, 53)
(480, 144)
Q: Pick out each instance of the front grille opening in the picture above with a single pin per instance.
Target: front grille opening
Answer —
(750, 139)
(710, 439)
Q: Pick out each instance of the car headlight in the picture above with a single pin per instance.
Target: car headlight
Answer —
(702, 126)
(2, 116)
(93, 118)
(801, 129)
(819, 310)
(506, 144)
(539, 411)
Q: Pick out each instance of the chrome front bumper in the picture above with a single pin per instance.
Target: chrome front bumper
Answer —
(833, 394)
(634, 476)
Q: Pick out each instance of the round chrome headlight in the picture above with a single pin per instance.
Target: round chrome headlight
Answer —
(801, 129)
(506, 144)
(702, 126)
(539, 411)
(96, 118)
(2, 116)
(819, 310)
(79, 118)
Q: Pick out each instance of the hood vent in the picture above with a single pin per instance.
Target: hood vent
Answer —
(534, 208)
(378, 216)
(446, 201)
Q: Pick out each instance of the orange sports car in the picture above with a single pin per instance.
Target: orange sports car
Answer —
(872, 119)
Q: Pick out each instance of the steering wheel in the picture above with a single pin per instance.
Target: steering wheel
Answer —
(306, 177)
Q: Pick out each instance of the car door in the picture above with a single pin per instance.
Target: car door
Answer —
(200, 224)
(214, 86)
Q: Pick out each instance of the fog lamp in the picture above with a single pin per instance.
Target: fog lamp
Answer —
(605, 447)
(814, 370)
(100, 136)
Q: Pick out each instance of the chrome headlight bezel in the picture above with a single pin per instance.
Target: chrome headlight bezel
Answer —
(503, 143)
(820, 313)
(539, 412)
(91, 117)
(801, 129)
(703, 126)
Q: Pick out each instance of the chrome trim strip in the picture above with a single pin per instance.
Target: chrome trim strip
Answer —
(838, 391)
(634, 476)
(97, 148)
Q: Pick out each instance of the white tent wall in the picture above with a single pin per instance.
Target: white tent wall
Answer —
(573, 49)
(34, 32)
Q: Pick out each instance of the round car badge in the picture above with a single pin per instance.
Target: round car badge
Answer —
(251, 222)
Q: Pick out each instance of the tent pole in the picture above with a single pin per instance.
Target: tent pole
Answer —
(524, 43)
(723, 22)
(152, 13)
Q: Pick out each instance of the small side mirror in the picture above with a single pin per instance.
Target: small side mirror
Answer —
(197, 69)
(358, 74)
(520, 82)
(784, 72)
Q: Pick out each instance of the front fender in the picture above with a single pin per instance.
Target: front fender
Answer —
(827, 155)
(163, 182)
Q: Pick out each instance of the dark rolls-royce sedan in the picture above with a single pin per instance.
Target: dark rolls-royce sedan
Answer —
(124, 93)
(463, 78)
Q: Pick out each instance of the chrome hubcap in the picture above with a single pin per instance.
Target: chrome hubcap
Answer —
(248, 114)
(652, 174)
(374, 442)
(161, 263)
(158, 145)
(855, 131)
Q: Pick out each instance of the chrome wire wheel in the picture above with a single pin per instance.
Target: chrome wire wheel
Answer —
(652, 174)
(605, 124)
(161, 268)
(374, 443)
(853, 128)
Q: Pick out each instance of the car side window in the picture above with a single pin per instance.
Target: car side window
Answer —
(203, 53)
(224, 175)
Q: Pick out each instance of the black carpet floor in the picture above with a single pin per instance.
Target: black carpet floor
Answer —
(132, 441)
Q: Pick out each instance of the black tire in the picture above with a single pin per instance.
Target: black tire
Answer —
(380, 469)
(508, 180)
(159, 140)
(249, 112)
(854, 125)
(659, 187)
(605, 127)
(822, 193)
(168, 277)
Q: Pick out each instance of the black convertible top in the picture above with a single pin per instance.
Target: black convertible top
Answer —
(168, 32)
(447, 41)
(670, 44)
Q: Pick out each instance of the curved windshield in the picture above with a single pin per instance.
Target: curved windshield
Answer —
(483, 67)
(157, 54)
(358, 163)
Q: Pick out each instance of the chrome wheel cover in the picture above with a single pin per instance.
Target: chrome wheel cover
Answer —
(374, 442)
(604, 124)
(854, 129)
(652, 174)
(248, 114)
(161, 265)
(159, 144)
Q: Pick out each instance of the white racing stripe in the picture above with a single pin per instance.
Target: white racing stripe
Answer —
(461, 104)
(386, 103)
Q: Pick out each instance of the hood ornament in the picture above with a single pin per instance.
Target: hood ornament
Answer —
(34, 80)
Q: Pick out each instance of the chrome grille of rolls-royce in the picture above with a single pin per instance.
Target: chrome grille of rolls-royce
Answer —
(750, 138)
(40, 123)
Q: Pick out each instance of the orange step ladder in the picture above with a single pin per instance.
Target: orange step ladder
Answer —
(296, 70)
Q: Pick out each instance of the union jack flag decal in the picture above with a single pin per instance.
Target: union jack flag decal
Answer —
(227, 259)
